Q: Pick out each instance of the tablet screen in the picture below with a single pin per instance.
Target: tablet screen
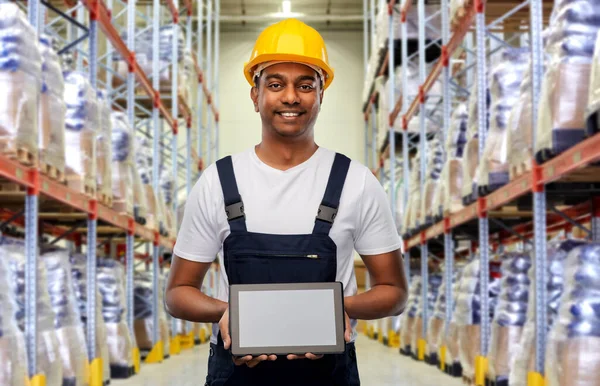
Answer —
(287, 318)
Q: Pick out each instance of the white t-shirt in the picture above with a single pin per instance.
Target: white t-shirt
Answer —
(286, 202)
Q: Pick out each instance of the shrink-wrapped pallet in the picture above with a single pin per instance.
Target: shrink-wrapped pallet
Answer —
(520, 140)
(449, 194)
(140, 201)
(385, 104)
(143, 161)
(468, 312)
(524, 361)
(79, 276)
(82, 125)
(189, 80)
(51, 113)
(410, 314)
(122, 138)
(49, 362)
(565, 88)
(433, 286)
(13, 357)
(67, 320)
(104, 151)
(144, 314)
(505, 81)
(414, 202)
(510, 315)
(471, 151)
(20, 79)
(121, 342)
(435, 164)
(572, 357)
(436, 333)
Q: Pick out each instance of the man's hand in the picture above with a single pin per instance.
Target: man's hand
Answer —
(347, 337)
(248, 360)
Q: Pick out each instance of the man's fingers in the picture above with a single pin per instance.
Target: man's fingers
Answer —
(313, 357)
(242, 360)
(257, 360)
(293, 357)
(272, 357)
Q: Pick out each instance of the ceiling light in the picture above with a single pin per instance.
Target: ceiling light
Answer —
(286, 6)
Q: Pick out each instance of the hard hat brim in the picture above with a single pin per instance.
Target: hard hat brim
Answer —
(249, 67)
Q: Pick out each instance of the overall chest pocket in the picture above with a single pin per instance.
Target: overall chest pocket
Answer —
(258, 267)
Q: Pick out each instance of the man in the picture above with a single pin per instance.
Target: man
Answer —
(286, 211)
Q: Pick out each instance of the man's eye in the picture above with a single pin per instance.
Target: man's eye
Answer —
(306, 87)
(275, 85)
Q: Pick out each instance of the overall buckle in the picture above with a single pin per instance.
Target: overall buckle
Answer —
(235, 211)
(326, 213)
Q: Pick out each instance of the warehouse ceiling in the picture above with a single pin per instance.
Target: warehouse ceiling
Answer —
(239, 15)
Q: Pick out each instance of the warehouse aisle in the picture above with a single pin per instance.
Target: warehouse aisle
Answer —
(378, 366)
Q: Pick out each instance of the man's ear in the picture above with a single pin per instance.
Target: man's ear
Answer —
(254, 97)
(321, 93)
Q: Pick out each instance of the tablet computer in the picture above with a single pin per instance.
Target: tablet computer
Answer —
(286, 319)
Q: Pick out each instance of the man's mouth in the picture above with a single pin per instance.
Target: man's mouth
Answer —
(290, 114)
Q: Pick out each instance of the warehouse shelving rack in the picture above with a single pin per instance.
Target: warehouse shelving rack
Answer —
(487, 221)
(46, 206)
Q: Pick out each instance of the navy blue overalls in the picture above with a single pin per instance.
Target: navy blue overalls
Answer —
(256, 258)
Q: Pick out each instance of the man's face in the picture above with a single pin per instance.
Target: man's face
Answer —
(288, 97)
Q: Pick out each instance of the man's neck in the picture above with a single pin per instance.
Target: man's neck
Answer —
(285, 155)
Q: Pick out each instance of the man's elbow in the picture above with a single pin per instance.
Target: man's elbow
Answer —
(170, 304)
(400, 304)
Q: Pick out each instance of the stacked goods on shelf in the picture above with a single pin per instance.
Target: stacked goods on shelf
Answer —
(409, 315)
(81, 123)
(49, 363)
(572, 351)
(524, 361)
(506, 76)
(510, 315)
(433, 286)
(519, 132)
(13, 371)
(140, 201)
(51, 113)
(448, 195)
(565, 88)
(384, 104)
(435, 163)
(189, 80)
(79, 276)
(67, 320)
(414, 206)
(121, 342)
(436, 333)
(20, 77)
(167, 187)
(143, 161)
(104, 152)
(467, 315)
(450, 339)
(471, 152)
(144, 52)
(122, 150)
(382, 113)
(593, 107)
(143, 314)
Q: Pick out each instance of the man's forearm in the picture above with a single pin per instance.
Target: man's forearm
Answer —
(189, 303)
(378, 302)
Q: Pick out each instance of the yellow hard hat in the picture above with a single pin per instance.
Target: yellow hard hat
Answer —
(289, 40)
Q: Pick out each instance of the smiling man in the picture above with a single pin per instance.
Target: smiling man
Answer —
(261, 210)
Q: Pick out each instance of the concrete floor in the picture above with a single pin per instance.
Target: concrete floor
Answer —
(378, 366)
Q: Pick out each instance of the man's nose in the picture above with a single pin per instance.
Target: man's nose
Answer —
(290, 95)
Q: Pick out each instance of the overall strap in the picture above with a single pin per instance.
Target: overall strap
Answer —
(234, 207)
(331, 201)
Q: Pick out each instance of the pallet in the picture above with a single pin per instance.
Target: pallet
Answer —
(518, 169)
(52, 172)
(105, 199)
(11, 187)
(76, 182)
(21, 155)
